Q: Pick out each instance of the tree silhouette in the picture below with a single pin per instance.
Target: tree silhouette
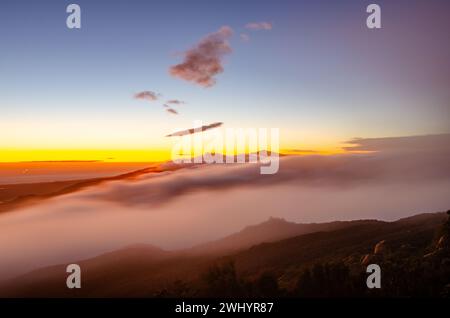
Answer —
(222, 281)
(267, 285)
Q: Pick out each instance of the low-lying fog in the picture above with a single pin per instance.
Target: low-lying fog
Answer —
(173, 210)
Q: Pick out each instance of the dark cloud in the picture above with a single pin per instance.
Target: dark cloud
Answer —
(147, 95)
(204, 61)
(259, 26)
(172, 111)
(195, 130)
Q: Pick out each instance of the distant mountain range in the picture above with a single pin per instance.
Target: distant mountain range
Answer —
(283, 249)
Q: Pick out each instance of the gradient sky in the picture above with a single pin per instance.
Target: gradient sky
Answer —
(319, 75)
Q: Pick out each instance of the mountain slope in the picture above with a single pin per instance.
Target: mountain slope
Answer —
(272, 230)
(357, 240)
(146, 271)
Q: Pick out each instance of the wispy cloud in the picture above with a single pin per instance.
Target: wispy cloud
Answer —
(147, 95)
(175, 102)
(244, 37)
(398, 144)
(172, 111)
(299, 151)
(259, 26)
(195, 130)
(204, 61)
(152, 96)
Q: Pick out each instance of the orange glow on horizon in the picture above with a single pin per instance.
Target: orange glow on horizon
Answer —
(105, 155)
(120, 155)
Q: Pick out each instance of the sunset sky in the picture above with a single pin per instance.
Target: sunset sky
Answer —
(317, 73)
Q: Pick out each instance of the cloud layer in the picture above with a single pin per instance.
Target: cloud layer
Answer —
(410, 162)
(175, 209)
(205, 60)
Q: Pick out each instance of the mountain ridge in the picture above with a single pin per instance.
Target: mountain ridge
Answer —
(145, 270)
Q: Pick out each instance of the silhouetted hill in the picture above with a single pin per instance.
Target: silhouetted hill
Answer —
(148, 271)
(131, 271)
(347, 243)
(274, 229)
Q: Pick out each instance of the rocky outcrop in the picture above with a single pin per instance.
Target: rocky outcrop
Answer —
(379, 251)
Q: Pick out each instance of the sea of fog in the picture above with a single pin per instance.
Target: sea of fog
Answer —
(179, 209)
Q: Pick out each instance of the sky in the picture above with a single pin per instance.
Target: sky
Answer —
(317, 73)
